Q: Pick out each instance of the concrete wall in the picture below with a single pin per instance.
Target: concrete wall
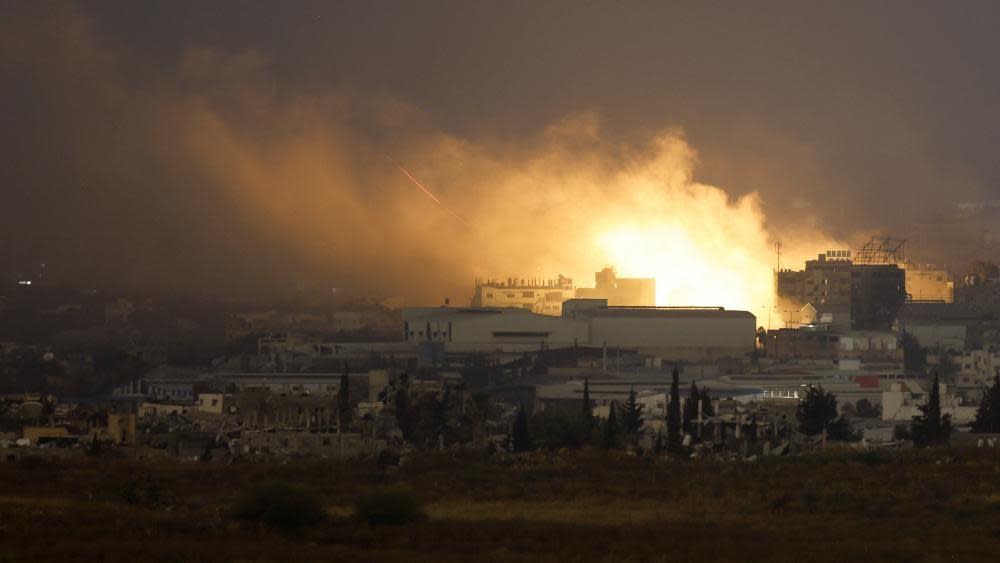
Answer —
(674, 333)
(497, 329)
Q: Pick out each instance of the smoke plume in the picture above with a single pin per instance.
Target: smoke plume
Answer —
(214, 176)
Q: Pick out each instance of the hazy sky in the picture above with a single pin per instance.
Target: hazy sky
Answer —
(845, 117)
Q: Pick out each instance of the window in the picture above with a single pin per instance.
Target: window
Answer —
(519, 333)
(527, 294)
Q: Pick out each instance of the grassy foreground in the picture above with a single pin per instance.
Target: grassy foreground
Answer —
(935, 505)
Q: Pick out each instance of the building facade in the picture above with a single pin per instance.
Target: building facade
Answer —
(669, 332)
(620, 292)
(544, 297)
(929, 284)
(873, 293)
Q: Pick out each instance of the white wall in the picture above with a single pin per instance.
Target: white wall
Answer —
(726, 332)
(735, 333)
(497, 330)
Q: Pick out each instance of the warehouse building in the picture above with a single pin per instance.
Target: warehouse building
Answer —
(674, 332)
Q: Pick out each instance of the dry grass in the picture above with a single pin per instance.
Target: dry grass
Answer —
(936, 505)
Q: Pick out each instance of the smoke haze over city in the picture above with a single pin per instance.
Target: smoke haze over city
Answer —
(442, 280)
(257, 149)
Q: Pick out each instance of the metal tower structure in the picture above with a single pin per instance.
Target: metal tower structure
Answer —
(881, 250)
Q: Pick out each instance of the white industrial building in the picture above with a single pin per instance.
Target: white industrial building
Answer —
(665, 331)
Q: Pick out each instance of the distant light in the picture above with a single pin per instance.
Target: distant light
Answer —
(24, 282)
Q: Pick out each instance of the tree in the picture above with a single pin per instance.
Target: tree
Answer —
(947, 366)
(632, 418)
(840, 429)
(761, 336)
(481, 408)
(280, 505)
(432, 420)
(865, 409)
(520, 436)
(344, 412)
(690, 410)
(610, 437)
(930, 428)
(405, 414)
(818, 412)
(914, 355)
(658, 443)
(554, 429)
(988, 414)
(674, 414)
(707, 409)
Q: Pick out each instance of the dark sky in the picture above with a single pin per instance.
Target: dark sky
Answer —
(863, 116)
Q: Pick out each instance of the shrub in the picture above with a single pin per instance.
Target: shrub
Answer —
(279, 505)
(901, 433)
(32, 462)
(389, 506)
(555, 429)
(872, 458)
(145, 491)
(810, 500)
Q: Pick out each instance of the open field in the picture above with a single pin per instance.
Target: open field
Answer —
(935, 505)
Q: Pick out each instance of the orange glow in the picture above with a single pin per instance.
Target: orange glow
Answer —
(690, 269)
(640, 211)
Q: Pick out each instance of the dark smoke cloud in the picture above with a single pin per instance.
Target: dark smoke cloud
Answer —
(144, 150)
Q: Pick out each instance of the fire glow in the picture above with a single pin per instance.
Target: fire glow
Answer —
(579, 204)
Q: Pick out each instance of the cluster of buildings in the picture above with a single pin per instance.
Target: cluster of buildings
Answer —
(867, 326)
(252, 420)
(875, 313)
(546, 297)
